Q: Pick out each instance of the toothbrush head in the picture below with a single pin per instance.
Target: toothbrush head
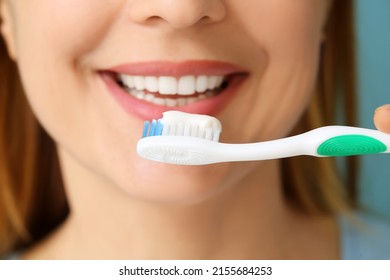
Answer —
(185, 128)
(179, 138)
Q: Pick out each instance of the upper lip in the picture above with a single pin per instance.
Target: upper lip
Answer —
(177, 69)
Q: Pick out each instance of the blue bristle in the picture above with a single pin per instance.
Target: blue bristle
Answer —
(153, 128)
(146, 129)
(159, 128)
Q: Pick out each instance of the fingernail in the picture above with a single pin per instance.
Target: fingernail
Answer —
(384, 107)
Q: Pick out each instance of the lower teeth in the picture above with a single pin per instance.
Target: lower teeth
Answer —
(169, 102)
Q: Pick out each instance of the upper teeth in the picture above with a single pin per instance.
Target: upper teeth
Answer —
(185, 85)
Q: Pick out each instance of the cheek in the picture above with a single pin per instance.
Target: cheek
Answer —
(68, 26)
(288, 38)
(272, 23)
(52, 39)
(62, 89)
(53, 36)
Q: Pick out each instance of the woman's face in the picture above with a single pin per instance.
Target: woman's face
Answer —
(76, 59)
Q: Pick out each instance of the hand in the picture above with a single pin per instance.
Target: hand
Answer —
(382, 118)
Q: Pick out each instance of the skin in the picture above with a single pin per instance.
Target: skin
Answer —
(126, 207)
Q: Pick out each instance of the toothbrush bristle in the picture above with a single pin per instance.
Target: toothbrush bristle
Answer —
(157, 128)
(153, 128)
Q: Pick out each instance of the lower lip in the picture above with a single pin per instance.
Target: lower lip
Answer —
(145, 110)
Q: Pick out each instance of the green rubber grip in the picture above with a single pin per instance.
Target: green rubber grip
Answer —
(351, 145)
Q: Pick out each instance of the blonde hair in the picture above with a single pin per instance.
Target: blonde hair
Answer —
(32, 201)
(316, 183)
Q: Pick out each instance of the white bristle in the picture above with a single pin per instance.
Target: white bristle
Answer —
(166, 128)
(209, 134)
(180, 129)
(194, 131)
(201, 133)
(172, 129)
(187, 129)
(216, 136)
(191, 125)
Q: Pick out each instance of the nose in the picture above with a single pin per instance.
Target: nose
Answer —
(178, 14)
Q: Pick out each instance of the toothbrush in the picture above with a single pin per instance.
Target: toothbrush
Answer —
(186, 144)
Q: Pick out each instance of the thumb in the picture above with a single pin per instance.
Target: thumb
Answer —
(382, 118)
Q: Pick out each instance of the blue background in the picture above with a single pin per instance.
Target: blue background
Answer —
(373, 46)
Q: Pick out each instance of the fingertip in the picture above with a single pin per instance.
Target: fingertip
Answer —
(382, 118)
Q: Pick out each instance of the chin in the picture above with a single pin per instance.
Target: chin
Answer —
(173, 184)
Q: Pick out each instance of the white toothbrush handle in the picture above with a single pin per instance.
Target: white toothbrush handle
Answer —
(281, 148)
(324, 141)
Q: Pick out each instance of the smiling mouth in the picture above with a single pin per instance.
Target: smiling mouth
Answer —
(173, 91)
(147, 89)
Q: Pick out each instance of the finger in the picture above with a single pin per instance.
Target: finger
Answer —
(382, 118)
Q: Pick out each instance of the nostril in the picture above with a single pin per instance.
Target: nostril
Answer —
(180, 19)
(177, 13)
(154, 19)
(205, 19)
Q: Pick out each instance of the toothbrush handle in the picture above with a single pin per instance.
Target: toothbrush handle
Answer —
(321, 142)
(281, 148)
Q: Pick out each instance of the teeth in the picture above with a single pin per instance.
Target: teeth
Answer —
(179, 91)
(186, 85)
(212, 82)
(159, 101)
(181, 101)
(151, 84)
(127, 80)
(166, 85)
(202, 83)
(139, 83)
(169, 102)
